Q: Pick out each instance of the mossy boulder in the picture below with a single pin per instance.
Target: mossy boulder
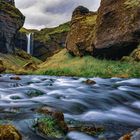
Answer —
(136, 55)
(52, 125)
(78, 41)
(9, 132)
(11, 20)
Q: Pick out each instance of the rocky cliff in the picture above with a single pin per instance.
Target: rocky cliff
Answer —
(117, 28)
(48, 41)
(11, 20)
(82, 28)
(115, 32)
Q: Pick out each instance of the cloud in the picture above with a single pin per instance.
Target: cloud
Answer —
(50, 13)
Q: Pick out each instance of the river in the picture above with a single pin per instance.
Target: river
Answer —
(113, 103)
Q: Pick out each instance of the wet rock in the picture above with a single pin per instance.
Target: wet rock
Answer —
(88, 129)
(89, 82)
(15, 78)
(57, 115)
(78, 41)
(9, 132)
(30, 66)
(34, 93)
(49, 127)
(135, 135)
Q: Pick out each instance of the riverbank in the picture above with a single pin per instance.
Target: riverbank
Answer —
(63, 64)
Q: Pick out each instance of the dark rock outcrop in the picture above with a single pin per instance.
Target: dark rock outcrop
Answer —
(21, 41)
(11, 20)
(79, 38)
(117, 28)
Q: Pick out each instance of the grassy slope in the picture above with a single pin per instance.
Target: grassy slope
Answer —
(14, 63)
(65, 64)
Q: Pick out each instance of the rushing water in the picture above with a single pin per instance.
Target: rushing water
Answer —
(113, 103)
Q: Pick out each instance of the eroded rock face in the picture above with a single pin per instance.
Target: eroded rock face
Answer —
(11, 20)
(117, 28)
(79, 38)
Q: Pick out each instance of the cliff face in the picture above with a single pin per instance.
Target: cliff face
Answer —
(48, 41)
(82, 27)
(113, 33)
(117, 28)
(11, 20)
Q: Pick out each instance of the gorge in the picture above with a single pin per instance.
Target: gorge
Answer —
(76, 81)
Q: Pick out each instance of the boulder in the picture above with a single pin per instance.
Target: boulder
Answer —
(135, 135)
(9, 132)
(78, 41)
(117, 31)
(30, 66)
(11, 20)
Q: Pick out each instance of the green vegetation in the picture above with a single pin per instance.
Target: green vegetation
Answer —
(132, 3)
(24, 30)
(89, 20)
(48, 126)
(15, 63)
(10, 9)
(65, 64)
(44, 34)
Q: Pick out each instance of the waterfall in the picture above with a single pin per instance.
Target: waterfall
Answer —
(29, 43)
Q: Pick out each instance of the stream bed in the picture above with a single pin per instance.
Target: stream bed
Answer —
(112, 103)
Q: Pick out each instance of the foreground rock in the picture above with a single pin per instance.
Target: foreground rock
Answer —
(134, 56)
(135, 135)
(52, 125)
(117, 29)
(82, 27)
(11, 20)
(9, 132)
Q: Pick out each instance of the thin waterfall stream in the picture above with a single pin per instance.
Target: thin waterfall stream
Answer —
(29, 43)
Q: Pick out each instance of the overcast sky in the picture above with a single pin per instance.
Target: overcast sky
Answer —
(49, 13)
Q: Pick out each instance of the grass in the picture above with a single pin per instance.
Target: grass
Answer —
(44, 34)
(132, 3)
(15, 63)
(67, 65)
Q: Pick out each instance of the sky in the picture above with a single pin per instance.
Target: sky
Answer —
(50, 13)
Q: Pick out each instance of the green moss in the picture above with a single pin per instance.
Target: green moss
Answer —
(44, 34)
(24, 30)
(89, 20)
(48, 126)
(9, 9)
(132, 3)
